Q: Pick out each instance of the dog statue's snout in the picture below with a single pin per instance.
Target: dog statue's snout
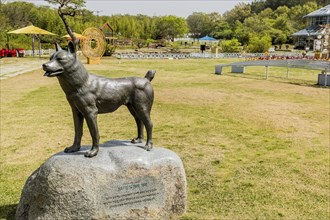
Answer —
(44, 66)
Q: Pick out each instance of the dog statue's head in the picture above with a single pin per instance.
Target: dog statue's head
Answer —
(60, 61)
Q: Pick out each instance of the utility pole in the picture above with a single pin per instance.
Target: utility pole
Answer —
(97, 13)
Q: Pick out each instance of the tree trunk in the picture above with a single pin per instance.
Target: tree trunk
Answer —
(68, 29)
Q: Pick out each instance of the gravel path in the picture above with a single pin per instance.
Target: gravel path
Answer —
(11, 66)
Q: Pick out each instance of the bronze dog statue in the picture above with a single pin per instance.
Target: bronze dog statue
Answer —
(89, 95)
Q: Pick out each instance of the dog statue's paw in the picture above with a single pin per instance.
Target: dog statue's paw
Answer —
(72, 149)
(136, 141)
(148, 146)
(91, 153)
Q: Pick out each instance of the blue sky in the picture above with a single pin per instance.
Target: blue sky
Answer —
(182, 8)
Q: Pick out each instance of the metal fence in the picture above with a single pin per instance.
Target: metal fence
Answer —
(247, 56)
(42, 52)
(134, 55)
(180, 55)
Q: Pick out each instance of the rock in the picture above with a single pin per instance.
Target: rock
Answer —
(124, 181)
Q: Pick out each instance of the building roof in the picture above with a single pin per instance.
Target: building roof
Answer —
(320, 12)
(207, 38)
(310, 31)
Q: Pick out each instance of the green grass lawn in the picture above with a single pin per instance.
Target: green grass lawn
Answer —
(252, 148)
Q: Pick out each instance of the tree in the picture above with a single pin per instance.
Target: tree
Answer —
(297, 12)
(258, 5)
(18, 13)
(222, 30)
(266, 14)
(214, 19)
(199, 24)
(282, 11)
(169, 27)
(241, 33)
(239, 13)
(256, 25)
(68, 8)
(4, 26)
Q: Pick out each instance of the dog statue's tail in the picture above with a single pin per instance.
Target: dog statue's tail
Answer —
(150, 75)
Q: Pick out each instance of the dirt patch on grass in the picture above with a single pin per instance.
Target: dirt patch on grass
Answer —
(11, 67)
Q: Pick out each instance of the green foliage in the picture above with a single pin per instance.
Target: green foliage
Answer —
(258, 6)
(17, 13)
(199, 24)
(298, 11)
(222, 30)
(68, 5)
(229, 46)
(259, 45)
(280, 38)
(212, 24)
(278, 19)
(239, 13)
(169, 27)
(241, 33)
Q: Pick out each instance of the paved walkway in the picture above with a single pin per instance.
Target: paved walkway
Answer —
(10, 67)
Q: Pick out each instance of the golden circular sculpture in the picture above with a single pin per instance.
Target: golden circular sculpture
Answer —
(93, 44)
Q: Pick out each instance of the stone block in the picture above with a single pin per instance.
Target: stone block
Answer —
(237, 69)
(218, 69)
(323, 79)
(124, 181)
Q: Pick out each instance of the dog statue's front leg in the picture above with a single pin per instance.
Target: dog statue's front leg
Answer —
(78, 121)
(91, 119)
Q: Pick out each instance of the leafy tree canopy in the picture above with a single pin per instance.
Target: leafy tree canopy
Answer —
(277, 19)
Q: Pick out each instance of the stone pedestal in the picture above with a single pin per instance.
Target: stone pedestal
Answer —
(124, 181)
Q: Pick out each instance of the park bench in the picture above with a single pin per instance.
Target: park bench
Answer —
(324, 66)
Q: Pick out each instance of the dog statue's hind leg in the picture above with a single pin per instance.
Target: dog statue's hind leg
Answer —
(78, 121)
(147, 122)
(139, 125)
(143, 114)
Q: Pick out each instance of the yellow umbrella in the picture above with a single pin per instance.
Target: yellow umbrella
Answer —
(79, 36)
(34, 31)
(31, 30)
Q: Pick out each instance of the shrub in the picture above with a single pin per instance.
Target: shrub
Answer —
(259, 45)
(230, 46)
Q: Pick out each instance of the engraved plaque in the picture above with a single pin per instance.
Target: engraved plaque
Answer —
(135, 194)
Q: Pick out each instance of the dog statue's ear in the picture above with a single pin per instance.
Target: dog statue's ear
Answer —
(58, 47)
(71, 47)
